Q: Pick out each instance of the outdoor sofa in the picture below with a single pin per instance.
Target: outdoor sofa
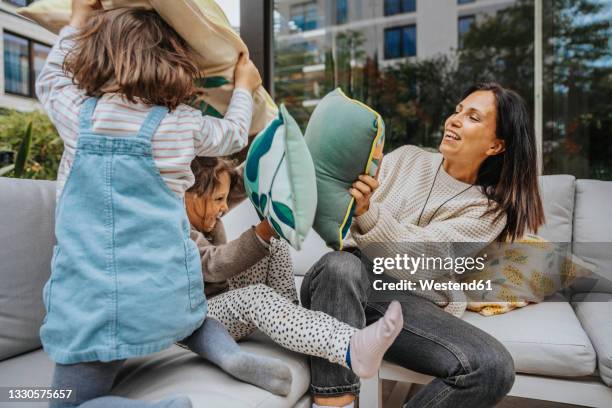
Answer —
(562, 350)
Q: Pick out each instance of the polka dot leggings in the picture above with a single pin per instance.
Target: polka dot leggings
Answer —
(264, 297)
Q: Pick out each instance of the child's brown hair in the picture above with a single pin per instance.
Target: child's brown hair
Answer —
(134, 52)
(208, 171)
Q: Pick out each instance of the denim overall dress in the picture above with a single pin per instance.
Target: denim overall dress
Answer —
(126, 279)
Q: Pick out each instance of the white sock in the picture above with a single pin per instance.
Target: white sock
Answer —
(368, 345)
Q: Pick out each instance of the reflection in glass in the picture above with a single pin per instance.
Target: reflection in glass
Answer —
(16, 65)
(409, 41)
(341, 11)
(399, 6)
(406, 65)
(465, 23)
(393, 37)
(304, 16)
(577, 88)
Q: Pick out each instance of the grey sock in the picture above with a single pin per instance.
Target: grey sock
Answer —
(213, 342)
(120, 402)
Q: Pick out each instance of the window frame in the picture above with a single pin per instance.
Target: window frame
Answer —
(459, 35)
(401, 42)
(345, 9)
(402, 10)
(304, 5)
(31, 69)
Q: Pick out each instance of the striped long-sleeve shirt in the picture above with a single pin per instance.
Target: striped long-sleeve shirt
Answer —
(183, 134)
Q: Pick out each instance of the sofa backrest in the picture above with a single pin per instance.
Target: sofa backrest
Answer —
(26, 244)
(593, 232)
(557, 192)
(573, 209)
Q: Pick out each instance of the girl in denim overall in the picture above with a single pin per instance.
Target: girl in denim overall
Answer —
(126, 278)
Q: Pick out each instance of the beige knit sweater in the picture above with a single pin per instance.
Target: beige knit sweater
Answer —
(390, 225)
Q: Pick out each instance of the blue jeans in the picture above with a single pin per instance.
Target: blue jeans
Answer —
(472, 369)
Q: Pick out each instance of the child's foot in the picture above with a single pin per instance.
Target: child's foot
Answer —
(268, 373)
(368, 345)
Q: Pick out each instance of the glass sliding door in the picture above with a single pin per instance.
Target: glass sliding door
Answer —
(401, 57)
(577, 88)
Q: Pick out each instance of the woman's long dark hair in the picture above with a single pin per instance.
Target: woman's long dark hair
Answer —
(510, 179)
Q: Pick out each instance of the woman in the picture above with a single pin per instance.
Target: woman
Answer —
(482, 187)
(250, 285)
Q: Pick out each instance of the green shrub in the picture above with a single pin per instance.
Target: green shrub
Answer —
(46, 147)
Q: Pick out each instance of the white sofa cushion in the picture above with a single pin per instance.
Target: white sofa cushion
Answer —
(593, 233)
(594, 310)
(544, 338)
(175, 371)
(26, 243)
(558, 199)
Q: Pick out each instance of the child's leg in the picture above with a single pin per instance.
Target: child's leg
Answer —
(306, 331)
(213, 342)
(91, 383)
(221, 308)
(281, 274)
(275, 271)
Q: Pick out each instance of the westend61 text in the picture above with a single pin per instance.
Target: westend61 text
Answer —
(402, 285)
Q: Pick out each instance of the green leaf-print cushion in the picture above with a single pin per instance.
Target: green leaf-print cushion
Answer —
(345, 138)
(279, 178)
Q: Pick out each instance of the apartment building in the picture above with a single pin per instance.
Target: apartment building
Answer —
(399, 28)
(387, 31)
(25, 46)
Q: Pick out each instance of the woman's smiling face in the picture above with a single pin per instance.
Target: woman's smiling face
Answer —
(470, 132)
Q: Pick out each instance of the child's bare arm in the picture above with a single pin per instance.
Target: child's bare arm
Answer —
(246, 75)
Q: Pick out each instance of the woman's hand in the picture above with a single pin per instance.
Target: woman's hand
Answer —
(246, 74)
(82, 10)
(362, 192)
(265, 231)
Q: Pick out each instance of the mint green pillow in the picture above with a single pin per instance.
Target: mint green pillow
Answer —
(345, 138)
(279, 178)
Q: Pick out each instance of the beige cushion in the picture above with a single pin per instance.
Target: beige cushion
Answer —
(176, 371)
(55, 14)
(525, 271)
(206, 29)
(544, 338)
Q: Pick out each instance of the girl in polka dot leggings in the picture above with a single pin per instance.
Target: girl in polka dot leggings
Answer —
(250, 281)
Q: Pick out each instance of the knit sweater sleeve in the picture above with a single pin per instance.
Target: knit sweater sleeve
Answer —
(222, 261)
(472, 224)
